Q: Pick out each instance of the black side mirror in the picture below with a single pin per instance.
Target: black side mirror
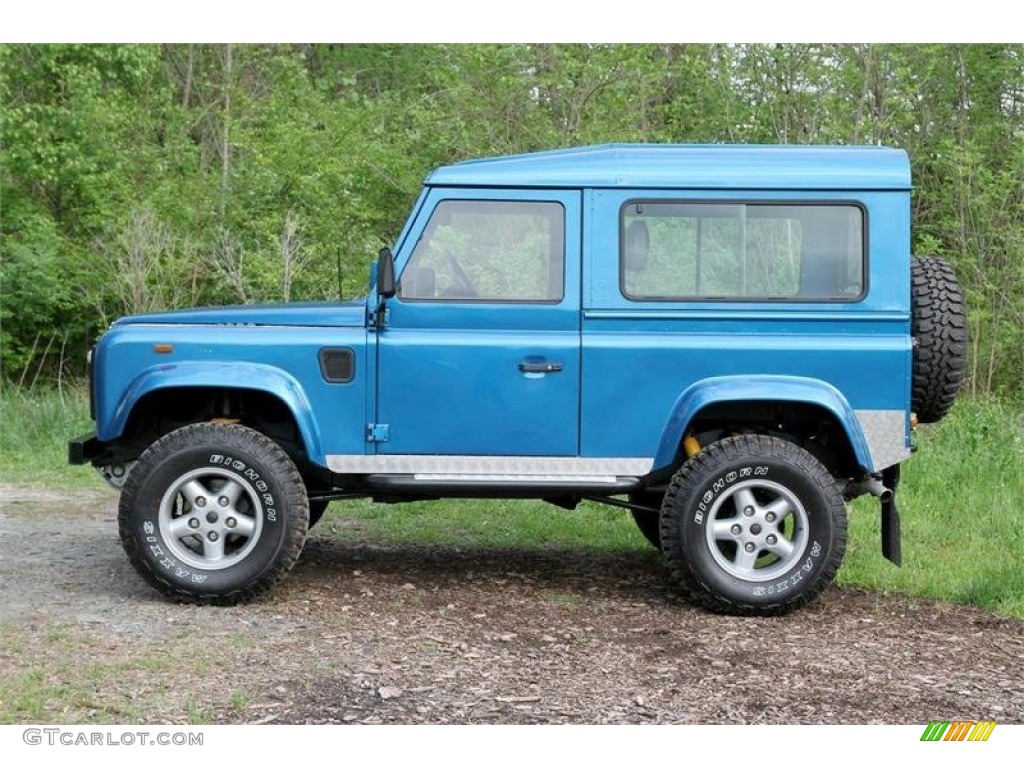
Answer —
(385, 274)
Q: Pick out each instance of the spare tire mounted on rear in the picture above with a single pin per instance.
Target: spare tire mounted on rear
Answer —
(939, 330)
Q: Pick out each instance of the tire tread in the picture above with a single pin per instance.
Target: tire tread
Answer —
(939, 329)
(231, 436)
(696, 470)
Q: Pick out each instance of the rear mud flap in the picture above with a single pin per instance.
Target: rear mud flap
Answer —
(891, 547)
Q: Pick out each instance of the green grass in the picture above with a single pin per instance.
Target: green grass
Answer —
(30, 696)
(198, 715)
(239, 701)
(53, 693)
(962, 506)
(35, 426)
(58, 673)
(493, 523)
(961, 499)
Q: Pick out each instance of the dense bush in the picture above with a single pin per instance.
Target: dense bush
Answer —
(144, 177)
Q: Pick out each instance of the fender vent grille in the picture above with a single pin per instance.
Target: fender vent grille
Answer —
(337, 365)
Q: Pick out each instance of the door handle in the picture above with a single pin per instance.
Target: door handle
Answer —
(535, 367)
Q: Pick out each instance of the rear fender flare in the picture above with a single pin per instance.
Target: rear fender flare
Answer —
(767, 388)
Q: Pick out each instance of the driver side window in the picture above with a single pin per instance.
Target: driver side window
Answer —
(488, 251)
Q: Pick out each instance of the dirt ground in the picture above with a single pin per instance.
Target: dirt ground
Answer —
(360, 633)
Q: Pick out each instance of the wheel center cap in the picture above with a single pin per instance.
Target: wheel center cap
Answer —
(755, 529)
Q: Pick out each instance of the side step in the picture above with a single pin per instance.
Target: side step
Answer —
(501, 486)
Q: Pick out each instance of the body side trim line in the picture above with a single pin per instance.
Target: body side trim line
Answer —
(744, 314)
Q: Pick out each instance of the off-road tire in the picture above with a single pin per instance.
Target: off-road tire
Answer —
(710, 489)
(221, 459)
(939, 331)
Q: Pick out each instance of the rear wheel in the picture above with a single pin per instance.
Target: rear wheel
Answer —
(753, 525)
(213, 513)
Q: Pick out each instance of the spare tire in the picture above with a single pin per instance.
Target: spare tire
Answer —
(939, 330)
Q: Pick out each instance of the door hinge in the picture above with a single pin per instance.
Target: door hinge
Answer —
(376, 433)
(377, 319)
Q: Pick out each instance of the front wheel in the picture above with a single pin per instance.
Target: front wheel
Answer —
(754, 525)
(213, 513)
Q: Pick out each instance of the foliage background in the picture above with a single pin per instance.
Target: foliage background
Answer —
(144, 177)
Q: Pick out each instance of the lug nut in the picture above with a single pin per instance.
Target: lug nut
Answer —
(231, 522)
(212, 536)
(771, 538)
(748, 511)
(770, 517)
(193, 522)
(736, 530)
(749, 547)
(200, 501)
(223, 501)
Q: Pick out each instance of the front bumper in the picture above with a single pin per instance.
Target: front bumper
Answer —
(83, 449)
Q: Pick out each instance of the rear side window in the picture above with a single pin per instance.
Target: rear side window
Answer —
(742, 251)
(489, 251)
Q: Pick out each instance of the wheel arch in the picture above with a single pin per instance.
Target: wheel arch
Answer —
(794, 396)
(255, 387)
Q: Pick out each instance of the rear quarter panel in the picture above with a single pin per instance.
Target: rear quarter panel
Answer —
(638, 357)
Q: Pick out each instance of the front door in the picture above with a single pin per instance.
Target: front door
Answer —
(480, 355)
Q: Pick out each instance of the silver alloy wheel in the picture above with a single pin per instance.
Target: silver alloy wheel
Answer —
(757, 530)
(210, 518)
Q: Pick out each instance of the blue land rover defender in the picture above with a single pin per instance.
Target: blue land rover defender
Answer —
(728, 341)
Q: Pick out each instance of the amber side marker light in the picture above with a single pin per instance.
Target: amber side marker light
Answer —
(913, 420)
(163, 349)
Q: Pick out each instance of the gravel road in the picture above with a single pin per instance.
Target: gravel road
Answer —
(365, 633)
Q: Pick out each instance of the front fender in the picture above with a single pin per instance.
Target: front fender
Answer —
(250, 376)
(766, 388)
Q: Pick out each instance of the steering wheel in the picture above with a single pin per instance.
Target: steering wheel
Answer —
(465, 285)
